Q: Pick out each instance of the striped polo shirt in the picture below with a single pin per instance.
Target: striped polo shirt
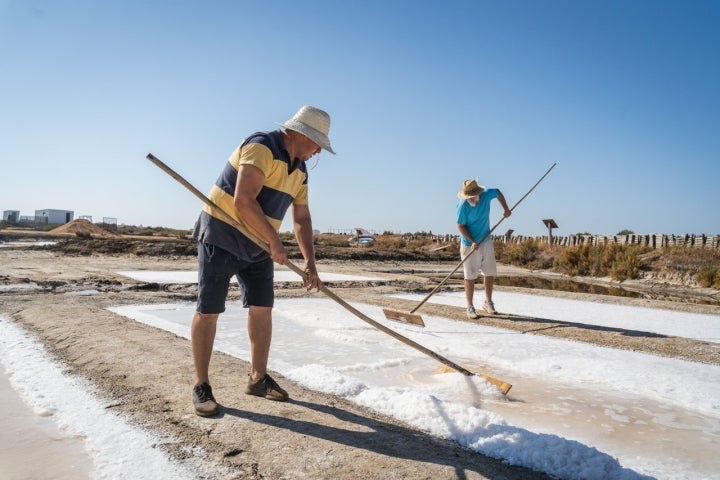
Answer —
(283, 187)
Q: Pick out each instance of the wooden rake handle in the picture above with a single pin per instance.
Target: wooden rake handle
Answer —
(503, 386)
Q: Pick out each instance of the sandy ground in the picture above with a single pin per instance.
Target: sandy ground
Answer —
(145, 373)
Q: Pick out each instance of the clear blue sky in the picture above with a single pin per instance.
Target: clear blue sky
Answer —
(623, 95)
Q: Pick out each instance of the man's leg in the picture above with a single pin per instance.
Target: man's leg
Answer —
(488, 267)
(260, 383)
(202, 338)
(469, 291)
(488, 282)
(489, 306)
(471, 269)
(260, 333)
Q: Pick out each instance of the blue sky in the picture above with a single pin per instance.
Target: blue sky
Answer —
(623, 95)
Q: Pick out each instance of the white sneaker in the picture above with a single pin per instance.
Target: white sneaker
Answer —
(489, 307)
(471, 312)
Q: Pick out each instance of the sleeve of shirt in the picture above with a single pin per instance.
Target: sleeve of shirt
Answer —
(460, 215)
(256, 155)
(302, 197)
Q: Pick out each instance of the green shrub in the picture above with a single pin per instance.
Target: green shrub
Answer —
(609, 255)
(708, 276)
(573, 260)
(619, 262)
(519, 254)
(626, 266)
(525, 253)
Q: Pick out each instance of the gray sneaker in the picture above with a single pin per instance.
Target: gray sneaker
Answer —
(203, 400)
(490, 308)
(266, 387)
(471, 313)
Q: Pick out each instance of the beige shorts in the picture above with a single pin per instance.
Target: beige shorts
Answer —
(481, 261)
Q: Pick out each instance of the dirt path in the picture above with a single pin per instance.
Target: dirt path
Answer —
(145, 372)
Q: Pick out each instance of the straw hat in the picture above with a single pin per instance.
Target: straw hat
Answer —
(313, 123)
(470, 189)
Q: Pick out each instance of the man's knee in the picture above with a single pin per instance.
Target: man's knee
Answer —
(206, 318)
(260, 313)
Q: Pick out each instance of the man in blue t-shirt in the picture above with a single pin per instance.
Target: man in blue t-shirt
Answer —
(473, 219)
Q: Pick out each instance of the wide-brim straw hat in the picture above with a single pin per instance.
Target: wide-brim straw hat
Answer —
(313, 123)
(470, 189)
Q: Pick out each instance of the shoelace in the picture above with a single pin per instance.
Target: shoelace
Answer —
(269, 382)
(204, 394)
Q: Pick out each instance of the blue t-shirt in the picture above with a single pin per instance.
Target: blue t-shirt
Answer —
(477, 218)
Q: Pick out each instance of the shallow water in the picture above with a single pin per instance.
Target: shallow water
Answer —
(567, 285)
(32, 446)
(564, 285)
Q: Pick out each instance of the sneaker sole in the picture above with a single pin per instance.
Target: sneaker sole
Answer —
(206, 414)
(269, 397)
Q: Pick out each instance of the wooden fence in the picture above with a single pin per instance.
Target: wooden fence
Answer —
(653, 240)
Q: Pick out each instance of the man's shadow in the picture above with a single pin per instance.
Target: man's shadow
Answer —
(372, 434)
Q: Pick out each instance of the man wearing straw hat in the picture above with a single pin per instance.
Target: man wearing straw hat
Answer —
(476, 245)
(263, 177)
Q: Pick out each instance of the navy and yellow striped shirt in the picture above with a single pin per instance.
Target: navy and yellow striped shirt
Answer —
(283, 187)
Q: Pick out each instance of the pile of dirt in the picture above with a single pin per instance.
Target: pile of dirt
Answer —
(82, 227)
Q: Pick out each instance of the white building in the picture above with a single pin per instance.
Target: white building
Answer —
(56, 217)
(11, 216)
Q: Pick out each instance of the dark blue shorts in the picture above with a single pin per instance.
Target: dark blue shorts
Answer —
(217, 266)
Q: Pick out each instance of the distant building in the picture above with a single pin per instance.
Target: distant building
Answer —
(56, 217)
(11, 216)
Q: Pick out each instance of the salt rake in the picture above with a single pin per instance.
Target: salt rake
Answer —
(504, 387)
(414, 318)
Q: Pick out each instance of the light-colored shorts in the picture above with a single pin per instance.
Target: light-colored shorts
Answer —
(481, 261)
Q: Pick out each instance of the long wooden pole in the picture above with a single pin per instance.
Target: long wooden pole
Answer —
(503, 386)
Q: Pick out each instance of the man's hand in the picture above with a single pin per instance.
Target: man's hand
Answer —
(311, 279)
(501, 198)
(277, 251)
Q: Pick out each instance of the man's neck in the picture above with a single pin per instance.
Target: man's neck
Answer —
(290, 147)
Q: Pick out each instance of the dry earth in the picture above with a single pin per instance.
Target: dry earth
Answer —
(145, 373)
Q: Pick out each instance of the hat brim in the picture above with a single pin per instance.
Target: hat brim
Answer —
(314, 135)
(462, 194)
